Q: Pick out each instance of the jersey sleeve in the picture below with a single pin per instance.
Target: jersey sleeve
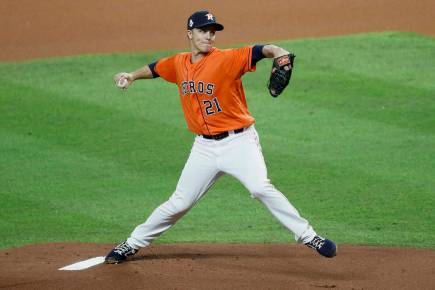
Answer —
(257, 53)
(166, 69)
(241, 61)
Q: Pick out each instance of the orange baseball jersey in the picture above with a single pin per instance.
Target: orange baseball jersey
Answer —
(211, 91)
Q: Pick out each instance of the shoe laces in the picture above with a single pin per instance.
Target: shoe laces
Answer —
(124, 249)
(316, 243)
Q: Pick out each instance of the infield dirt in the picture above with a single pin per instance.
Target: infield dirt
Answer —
(38, 29)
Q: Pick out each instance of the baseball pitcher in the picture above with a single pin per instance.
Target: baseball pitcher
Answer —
(226, 142)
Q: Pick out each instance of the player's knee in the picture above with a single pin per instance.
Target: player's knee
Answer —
(260, 189)
(178, 205)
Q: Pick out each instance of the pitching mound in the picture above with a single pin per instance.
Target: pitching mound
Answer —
(204, 266)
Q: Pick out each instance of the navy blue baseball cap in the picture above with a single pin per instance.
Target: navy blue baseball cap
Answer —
(201, 19)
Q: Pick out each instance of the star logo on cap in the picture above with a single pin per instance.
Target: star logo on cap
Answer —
(190, 23)
(209, 16)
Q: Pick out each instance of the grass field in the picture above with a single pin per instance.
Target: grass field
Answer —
(351, 143)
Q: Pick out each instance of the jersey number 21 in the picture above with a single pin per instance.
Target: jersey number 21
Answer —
(212, 107)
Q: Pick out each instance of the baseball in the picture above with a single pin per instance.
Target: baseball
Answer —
(122, 83)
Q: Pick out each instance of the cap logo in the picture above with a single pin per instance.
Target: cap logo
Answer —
(209, 16)
(190, 23)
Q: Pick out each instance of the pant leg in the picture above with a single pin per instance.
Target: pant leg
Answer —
(198, 175)
(243, 159)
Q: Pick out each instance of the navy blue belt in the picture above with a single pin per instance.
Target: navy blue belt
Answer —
(223, 135)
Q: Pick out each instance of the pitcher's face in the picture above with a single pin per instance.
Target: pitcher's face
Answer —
(202, 39)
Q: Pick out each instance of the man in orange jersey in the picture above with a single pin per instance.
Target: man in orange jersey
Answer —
(215, 109)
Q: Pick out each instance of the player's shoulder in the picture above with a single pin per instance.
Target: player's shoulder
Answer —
(232, 52)
(178, 55)
(234, 49)
(174, 58)
(181, 55)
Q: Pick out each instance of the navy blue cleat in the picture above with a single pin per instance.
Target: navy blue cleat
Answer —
(324, 247)
(120, 253)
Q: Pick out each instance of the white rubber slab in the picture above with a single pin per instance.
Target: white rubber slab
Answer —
(84, 264)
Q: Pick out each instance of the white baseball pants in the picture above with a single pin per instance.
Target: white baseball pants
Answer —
(238, 155)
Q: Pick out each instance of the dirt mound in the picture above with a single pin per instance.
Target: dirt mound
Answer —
(34, 29)
(218, 266)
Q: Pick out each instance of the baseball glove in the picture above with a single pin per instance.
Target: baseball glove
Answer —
(281, 73)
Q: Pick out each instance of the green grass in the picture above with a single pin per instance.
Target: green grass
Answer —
(351, 143)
